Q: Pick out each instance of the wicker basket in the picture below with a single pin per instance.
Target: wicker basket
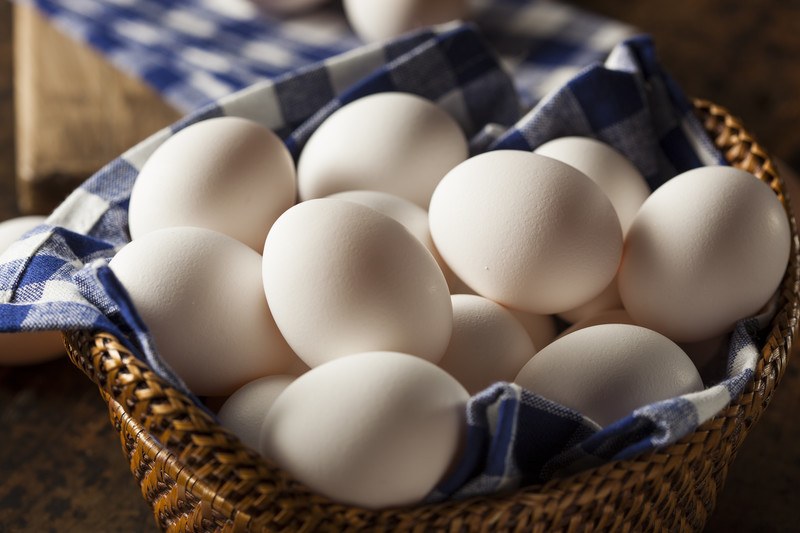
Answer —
(198, 477)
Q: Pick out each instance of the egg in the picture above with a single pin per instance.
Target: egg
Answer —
(377, 21)
(228, 174)
(487, 345)
(200, 294)
(393, 142)
(243, 413)
(623, 184)
(541, 329)
(410, 215)
(614, 173)
(611, 316)
(29, 347)
(341, 278)
(605, 372)
(526, 231)
(707, 248)
(605, 301)
(375, 430)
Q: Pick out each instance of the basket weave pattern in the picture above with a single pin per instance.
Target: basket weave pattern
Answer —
(199, 477)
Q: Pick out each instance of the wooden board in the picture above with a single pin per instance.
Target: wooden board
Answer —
(74, 112)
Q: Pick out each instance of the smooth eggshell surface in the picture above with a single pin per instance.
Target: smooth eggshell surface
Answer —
(611, 316)
(606, 300)
(244, 412)
(228, 174)
(392, 142)
(410, 215)
(541, 329)
(30, 347)
(487, 345)
(377, 21)
(200, 294)
(708, 248)
(341, 278)
(605, 372)
(526, 231)
(617, 177)
(375, 429)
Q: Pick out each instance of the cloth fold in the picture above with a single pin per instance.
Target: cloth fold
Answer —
(57, 276)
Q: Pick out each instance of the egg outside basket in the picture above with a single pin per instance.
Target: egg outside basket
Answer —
(198, 477)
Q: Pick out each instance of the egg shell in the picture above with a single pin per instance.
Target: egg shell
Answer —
(393, 142)
(410, 215)
(200, 294)
(526, 231)
(228, 174)
(611, 316)
(29, 347)
(487, 345)
(541, 329)
(707, 248)
(613, 172)
(243, 413)
(377, 21)
(341, 278)
(376, 430)
(605, 301)
(607, 371)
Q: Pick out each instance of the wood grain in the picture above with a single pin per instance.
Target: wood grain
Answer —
(75, 112)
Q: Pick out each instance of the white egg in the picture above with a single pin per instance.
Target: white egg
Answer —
(12, 229)
(228, 174)
(30, 347)
(605, 372)
(526, 231)
(605, 301)
(541, 329)
(487, 345)
(617, 177)
(393, 142)
(623, 184)
(707, 248)
(244, 412)
(410, 215)
(200, 294)
(377, 21)
(610, 316)
(341, 278)
(376, 430)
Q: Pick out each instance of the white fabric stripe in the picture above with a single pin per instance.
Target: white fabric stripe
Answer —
(140, 153)
(79, 212)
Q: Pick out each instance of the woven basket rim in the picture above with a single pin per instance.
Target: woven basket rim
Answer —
(218, 482)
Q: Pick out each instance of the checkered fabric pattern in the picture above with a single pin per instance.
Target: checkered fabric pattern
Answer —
(57, 276)
(197, 51)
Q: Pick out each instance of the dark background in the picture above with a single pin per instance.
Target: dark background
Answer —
(61, 468)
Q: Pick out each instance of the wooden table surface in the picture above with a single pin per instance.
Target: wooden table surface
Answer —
(61, 468)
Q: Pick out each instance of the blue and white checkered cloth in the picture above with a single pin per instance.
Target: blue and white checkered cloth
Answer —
(57, 276)
(197, 51)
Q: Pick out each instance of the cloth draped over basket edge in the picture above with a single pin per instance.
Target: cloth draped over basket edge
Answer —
(56, 277)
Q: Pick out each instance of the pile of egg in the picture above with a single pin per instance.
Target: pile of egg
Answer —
(343, 333)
